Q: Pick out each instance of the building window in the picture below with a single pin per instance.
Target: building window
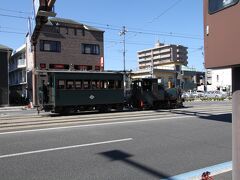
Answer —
(177, 67)
(218, 5)
(67, 30)
(75, 32)
(91, 49)
(50, 46)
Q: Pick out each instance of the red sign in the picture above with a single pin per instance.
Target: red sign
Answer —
(42, 66)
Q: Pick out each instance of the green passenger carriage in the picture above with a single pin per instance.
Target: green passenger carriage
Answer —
(74, 91)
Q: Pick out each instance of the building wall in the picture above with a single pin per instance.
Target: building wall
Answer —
(221, 79)
(167, 63)
(18, 76)
(4, 93)
(68, 37)
(162, 55)
(71, 52)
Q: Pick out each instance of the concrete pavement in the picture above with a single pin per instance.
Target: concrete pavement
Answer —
(128, 145)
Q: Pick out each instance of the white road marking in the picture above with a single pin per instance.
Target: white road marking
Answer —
(98, 124)
(63, 148)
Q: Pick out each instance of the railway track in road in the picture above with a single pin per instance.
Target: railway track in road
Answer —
(9, 123)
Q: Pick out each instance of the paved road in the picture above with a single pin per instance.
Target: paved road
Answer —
(127, 145)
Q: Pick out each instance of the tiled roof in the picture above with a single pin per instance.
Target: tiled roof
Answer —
(70, 22)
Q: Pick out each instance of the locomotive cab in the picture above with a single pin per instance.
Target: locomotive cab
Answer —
(146, 93)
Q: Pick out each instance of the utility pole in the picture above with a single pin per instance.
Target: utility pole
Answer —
(123, 33)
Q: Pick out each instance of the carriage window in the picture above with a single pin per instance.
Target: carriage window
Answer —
(111, 84)
(103, 84)
(218, 5)
(61, 84)
(98, 84)
(86, 84)
(95, 84)
(78, 84)
(70, 84)
(118, 84)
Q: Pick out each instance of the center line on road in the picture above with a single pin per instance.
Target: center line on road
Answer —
(63, 148)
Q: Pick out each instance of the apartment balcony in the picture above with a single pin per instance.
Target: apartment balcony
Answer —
(165, 68)
(17, 83)
(147, 54)
(21, 63)
(144, 65)
(145, 59)
(162, 56)
(167, 61)
(163, 51)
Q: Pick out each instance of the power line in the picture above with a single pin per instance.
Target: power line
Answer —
(164, 12)
(110, 27)
(105, 41)
(13, 16)
(15, 11)
(5, 27)
(166, 34)
(12, 32)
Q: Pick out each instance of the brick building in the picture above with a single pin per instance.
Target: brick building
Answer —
(64, 44)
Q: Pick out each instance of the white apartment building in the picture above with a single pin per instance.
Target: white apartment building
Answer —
(17, 74)
(163, 56)
(164, 62)
(219, 79)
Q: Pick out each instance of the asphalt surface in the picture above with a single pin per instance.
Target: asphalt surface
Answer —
(224, 176)
(149, 145)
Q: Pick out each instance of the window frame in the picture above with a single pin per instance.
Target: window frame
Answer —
(94, 49)
(61, 86)
(233, 3)
(68, 85)
(57, 47)
(77, 85)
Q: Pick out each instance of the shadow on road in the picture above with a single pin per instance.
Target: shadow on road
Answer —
(224, 117)
(117, 155)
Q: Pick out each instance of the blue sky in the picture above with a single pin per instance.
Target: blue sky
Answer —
(147, 21)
